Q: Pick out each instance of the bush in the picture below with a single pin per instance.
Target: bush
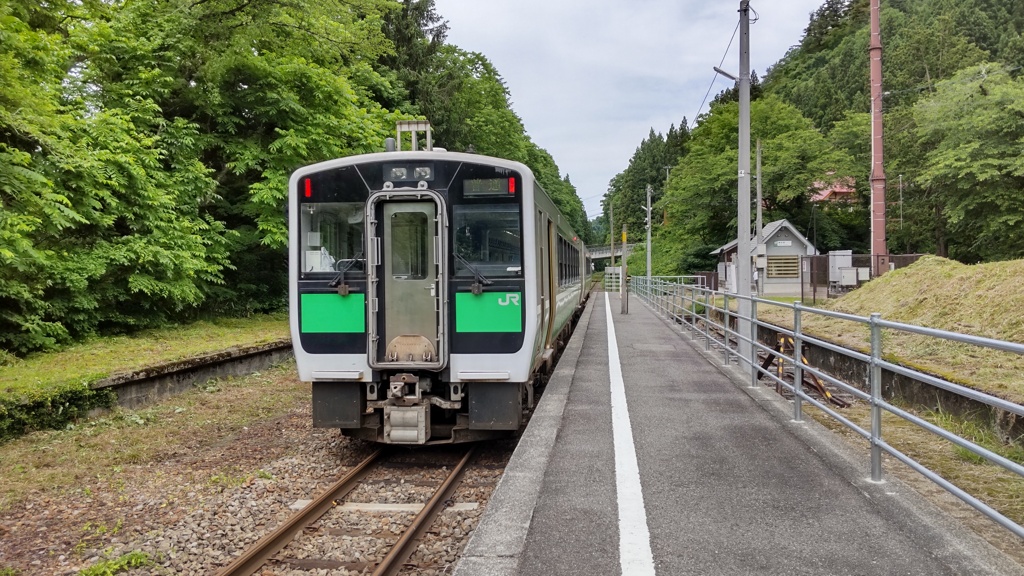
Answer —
(58, 408)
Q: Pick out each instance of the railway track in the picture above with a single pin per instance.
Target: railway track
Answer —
(320, 517)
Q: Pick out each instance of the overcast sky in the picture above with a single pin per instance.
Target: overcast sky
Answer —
(591, 78)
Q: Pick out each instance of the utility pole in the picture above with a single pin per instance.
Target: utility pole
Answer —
(648, 234)
(906, 248)
(879, 251)
(611, 231)
(664, 191)
(743, 203)
(759, 228)
(623, 289)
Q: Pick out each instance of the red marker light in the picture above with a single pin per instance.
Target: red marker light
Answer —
(309, 188)
(511, 185)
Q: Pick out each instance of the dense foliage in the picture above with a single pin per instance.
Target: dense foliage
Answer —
(145, 146)
(953, 135)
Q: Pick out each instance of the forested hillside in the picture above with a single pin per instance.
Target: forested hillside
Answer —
(145, 146)
(954, 132)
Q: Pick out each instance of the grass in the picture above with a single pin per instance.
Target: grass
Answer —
(117, 565)
(999, 488)
(102, 357)
(980, 300)
(99, 450)
(53, 390)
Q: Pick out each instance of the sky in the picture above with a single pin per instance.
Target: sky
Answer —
(591, 78)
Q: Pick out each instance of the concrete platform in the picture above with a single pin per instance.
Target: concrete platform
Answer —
(676, 466)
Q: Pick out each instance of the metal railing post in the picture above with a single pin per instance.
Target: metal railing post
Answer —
(725, 328)
(707, 322)
(670, 301)
(754, 374)
(875, 379)
(798, 365)
(691, 313)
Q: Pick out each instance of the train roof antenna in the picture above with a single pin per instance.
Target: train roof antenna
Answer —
(414, 127)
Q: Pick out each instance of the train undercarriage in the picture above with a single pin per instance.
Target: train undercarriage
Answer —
(415, 407)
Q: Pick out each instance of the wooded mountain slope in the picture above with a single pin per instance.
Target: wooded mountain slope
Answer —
(954, 128)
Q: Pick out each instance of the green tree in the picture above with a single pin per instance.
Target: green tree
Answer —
(418, 34)
(702, 190)
(972, 130)
(478, 116)
(826, 25)
(269, 85)
(648, 166)
(561, 190)
(32, 59)
(733, 94)
(928, 48)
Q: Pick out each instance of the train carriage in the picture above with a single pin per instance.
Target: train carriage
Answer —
(427, 290)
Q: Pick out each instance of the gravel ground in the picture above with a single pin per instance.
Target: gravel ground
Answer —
(201, 504)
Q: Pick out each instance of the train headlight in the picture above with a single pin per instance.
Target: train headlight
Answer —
(408, 173)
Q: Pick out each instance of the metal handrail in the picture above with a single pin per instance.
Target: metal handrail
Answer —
(691, 304)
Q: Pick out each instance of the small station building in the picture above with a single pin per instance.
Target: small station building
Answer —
(775, 260)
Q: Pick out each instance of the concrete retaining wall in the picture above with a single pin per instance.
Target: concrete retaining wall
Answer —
(142, 387)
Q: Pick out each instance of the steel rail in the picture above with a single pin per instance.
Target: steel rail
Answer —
(393, 563)
(257, 555)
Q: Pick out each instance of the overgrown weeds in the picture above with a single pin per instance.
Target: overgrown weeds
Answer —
(997, 487)
(980, 300)
(122, 563)
(98, 450)
(54, 390)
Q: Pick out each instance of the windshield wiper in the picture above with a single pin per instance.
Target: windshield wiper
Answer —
(339, 280)
(481, 280)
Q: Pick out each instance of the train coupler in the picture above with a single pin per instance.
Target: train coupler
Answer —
(407, 424)
(406, 389)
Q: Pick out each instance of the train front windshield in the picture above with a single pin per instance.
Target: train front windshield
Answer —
(484, 204)
(487, 238)
(331, 236)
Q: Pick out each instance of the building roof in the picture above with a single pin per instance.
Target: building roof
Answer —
(840, 190)
(768, 230)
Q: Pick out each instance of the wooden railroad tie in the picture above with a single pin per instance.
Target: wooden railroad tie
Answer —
(783, 345)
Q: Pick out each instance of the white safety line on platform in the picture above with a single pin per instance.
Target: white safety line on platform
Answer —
(635, 557)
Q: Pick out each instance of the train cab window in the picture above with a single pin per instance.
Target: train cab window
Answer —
(331, 237)
(488, 238)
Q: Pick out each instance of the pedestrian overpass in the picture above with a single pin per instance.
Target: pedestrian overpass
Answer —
(599, 252)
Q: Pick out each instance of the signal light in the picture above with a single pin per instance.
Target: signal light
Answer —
(511, 185)
(309, 188)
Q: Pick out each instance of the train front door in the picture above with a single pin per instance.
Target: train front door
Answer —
(406, 316)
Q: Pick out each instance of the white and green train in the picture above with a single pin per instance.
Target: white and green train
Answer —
(428, 291)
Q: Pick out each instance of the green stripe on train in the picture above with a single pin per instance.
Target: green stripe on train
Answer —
(489, 312)
(332, 313)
